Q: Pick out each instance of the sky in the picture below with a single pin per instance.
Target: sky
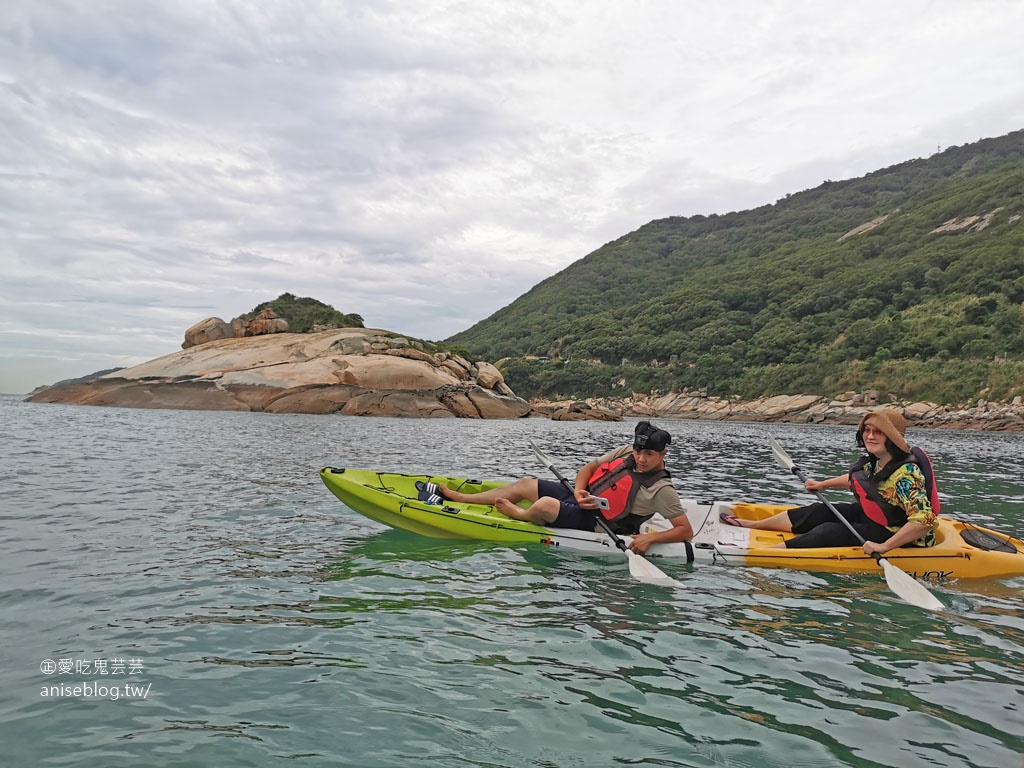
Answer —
(423, 163)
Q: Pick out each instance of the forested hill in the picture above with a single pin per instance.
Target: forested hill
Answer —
(909, 279)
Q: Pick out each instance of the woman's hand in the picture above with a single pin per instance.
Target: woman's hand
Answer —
(840, 481)
(871, 547)
(908, 534)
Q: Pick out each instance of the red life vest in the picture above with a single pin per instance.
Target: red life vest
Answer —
(865, 488)
(619, 482)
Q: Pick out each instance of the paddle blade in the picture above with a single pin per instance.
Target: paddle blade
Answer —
(781, 457)
(909, 588)
(642, 569)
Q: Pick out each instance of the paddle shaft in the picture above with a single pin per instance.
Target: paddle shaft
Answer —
(597, 515)
(836, 512)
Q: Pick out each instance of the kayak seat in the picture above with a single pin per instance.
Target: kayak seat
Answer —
(986, 541)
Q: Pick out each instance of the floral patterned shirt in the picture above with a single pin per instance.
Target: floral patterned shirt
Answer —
(905, 489)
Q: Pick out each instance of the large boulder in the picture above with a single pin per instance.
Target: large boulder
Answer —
(263, 322)
(266, 321)
(488, 376)
(210, 329)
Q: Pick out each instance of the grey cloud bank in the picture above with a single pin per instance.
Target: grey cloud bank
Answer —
(425, 163)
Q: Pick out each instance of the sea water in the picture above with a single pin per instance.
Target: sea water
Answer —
(177, 588)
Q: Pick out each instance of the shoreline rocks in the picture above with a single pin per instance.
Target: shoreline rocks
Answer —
(846, 409)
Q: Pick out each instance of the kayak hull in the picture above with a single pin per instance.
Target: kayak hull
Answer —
(391, 499)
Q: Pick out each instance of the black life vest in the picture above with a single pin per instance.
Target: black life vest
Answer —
(865, 488)
(619, 482)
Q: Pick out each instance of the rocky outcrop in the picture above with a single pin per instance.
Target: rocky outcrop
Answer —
(266, 321)
(846, 408)
(353, 371)
(974, 223)
(205, 331)
(867, 227)
(213, 328)
(575, 410)
(966, 224)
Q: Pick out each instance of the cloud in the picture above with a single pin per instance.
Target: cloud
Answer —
(425, 163)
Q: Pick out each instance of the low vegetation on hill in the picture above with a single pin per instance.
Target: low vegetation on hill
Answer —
(305, 314)
(909, 280)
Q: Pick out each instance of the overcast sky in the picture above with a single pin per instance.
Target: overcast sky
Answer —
(424, 163)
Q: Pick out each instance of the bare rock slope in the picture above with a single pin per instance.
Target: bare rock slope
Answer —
(353, 371)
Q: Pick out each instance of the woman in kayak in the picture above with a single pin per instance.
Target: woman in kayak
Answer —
(632, 478)
(896, 505)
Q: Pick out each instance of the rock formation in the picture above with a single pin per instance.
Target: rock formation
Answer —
(968, 223)
(576, 410)
(210, 329)
(266, 321)
(353, 371)
(213, 328)
(867, 227)
(846, 408)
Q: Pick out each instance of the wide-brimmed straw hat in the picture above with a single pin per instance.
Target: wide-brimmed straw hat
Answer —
(891, 423)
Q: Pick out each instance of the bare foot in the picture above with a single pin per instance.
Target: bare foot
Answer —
(506, 507)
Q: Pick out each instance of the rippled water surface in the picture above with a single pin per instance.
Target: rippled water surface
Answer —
(270, 625)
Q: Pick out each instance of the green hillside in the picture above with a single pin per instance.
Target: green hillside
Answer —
(783, 299)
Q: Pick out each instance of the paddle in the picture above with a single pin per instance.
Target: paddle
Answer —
(639, 567)
(903, 584)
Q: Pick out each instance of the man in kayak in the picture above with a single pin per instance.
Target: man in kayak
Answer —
(897, 504)
(632, 478)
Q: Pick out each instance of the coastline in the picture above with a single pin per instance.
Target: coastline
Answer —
(845, 409)
(985, 416)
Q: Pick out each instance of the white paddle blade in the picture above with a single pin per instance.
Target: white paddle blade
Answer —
(909, 588)
(642, 569)
(781, 457)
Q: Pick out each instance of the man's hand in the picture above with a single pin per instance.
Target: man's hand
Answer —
(641, 542)
(586, 500)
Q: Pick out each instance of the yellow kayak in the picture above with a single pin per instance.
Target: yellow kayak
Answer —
(962, 550)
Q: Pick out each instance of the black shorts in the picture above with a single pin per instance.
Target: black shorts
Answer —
(817, 526)
(570, 513)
